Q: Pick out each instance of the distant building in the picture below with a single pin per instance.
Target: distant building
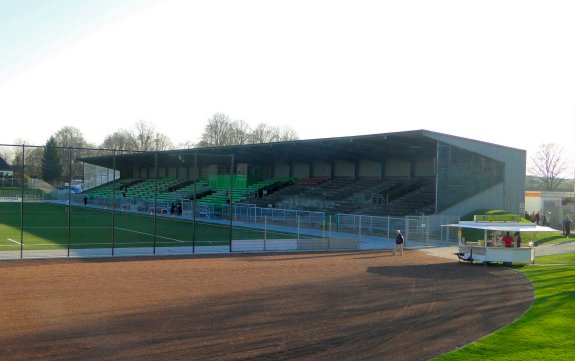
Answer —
(554, 204)
(5, 169)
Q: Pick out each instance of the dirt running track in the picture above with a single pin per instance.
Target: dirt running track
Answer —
(313, 306)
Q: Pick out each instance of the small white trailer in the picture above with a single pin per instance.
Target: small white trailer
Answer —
(490, 248)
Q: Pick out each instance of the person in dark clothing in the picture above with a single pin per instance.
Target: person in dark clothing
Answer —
(398, 243)
(518, 239)
(85, 201)
(537, 218)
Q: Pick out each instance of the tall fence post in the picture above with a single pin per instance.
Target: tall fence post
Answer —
(194, 206)
(388, 226)
(68, 200)
(231, 199)
(22, 206)
(114, 202)
(155, 200)
(265, 231)
(329, 239)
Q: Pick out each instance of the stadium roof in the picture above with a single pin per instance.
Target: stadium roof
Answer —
(377, 147)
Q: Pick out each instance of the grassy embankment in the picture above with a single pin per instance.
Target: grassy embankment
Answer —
(545, 332)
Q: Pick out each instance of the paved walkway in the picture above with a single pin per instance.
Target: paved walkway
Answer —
(555, 248)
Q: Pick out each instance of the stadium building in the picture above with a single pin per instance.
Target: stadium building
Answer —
(416, 172)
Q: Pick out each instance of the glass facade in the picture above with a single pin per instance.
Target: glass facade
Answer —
(462, 174)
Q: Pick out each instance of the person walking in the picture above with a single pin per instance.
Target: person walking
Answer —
(398, 243)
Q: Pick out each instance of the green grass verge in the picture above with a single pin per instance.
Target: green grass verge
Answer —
(545, 332)
(17, 192)
(50, 226)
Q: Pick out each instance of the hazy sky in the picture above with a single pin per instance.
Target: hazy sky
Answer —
(497, 71)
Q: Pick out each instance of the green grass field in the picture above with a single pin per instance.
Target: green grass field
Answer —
(545, 332)
(50, 226)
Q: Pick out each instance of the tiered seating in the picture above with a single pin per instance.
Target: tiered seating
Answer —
(106, 189)
(222, 195)
(147, 187)
(413, 197)
(397, 196)
(187, 191)
(312, 181)
(391, 196)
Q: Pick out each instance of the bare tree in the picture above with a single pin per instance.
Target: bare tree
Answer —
(185, 145)
(7, 153)
(264, 133)
(162, 142)
(148, 139)
(287, 133)
(32, 161)
(240, 132)
(71, 143)
(221, 131)
(70, 137)
(217, 132)
(120, 140)
(144, 134)
(549, 164)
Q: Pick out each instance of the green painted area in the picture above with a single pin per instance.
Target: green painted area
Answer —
(51, 226)
(545, 332)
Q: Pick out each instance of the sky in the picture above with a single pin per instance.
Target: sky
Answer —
(496, 71)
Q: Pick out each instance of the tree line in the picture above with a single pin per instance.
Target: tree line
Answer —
(549, 167)
(52, 161)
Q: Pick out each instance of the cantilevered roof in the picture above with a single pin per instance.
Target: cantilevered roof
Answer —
(502, 227)
(377, 147)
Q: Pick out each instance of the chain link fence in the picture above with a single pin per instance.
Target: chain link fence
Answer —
(79, 202)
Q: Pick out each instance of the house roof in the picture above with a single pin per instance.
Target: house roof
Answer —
(4, 165)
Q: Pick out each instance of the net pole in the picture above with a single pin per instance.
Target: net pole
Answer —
(265, 231)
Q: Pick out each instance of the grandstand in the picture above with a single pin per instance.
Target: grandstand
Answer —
(393, 174)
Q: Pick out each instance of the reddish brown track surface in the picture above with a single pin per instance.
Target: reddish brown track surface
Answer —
(335, 306)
